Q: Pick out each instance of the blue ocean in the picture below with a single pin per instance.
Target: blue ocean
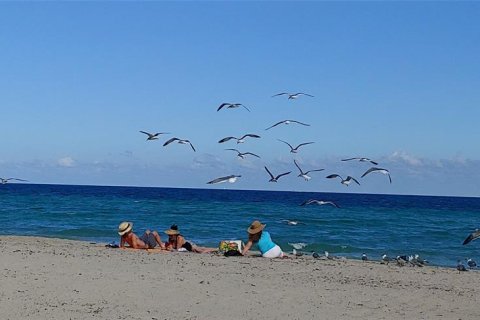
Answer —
(433, 227)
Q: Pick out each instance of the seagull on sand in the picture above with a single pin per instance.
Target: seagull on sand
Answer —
(471, 263)
(361, 159)
(380, 170)
(231, 106)
(239, 140)
(472, 236)
(386, 259)
(181, 141)
(304, 175)
(295, 150)
(319, 202)
(364, 257)
(231, 179)
(242, 155)
(292, 96)
(287, 122)
(6, 180)
(292, 222)
(460, 266)
(153, 136)
(346, 181)
(275, 179)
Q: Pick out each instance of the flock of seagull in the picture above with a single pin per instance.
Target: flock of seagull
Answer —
(401, 260)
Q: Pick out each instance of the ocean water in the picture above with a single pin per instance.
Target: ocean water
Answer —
(433, 227)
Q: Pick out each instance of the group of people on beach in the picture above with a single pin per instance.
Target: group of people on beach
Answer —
(176, 242)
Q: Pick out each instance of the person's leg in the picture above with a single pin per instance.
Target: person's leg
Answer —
(198, 249)
(158, 239)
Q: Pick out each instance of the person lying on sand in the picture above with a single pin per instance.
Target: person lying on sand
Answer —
(267, 247)
(177, 242)
(149, 240)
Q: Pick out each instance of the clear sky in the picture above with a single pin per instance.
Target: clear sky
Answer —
(398, 82)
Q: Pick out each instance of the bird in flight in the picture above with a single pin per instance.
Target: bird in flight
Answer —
(380, 170)
(231, 179)
(242, 155)
(181, 141)
(292, 223)
(345, 181)
(305, 175)
(295, 150)
(239, 140)
(6, 180)
(287, 122)
(472, 236)
(292, 96)
(319, 202)
(275, 179)
(153, 136)
(231, 106)
(362, 160)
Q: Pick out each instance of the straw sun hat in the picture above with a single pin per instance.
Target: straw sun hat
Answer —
(255, 227)
(125, 227)
(173, 230)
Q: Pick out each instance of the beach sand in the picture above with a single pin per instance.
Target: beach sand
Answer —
(45, 278)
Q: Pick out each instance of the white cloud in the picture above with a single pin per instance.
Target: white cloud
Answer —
(406, 158)
(66, 162)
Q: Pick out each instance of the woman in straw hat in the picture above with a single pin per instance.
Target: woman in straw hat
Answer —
(177, 242)
(148, 240)
(256, 235)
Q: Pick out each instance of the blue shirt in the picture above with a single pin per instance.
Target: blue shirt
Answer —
(265, 243)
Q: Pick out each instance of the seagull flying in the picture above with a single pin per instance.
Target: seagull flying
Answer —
(304, 175)
(242, 155)
(346, 181)
(153, 136)
(380, 170)
(239, 140)
(231, 105)
(231, 179)
(472, 236)
(298, 246)
(288, 122)
(292, 96)
(275, 179)
(181, 141)
(319, 202)
(362, 160)
(6, 180)
(295, 150)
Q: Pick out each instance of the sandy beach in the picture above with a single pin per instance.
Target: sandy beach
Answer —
(45, 278)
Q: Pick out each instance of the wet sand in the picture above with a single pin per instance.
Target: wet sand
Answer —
(45, 278)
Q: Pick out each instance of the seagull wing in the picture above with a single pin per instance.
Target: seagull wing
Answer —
(170, 141)
(353, 179)
(233, 150)
(369, 171)
(301, 172)
(305, 94)
(271, 175)
(373, 162)
(349, 159)
(472, 236)
(252, 154)
(282, 174)
(226, 139)
(303, 124)
(219, 180)
(309, 201)
(303, 144)
(250, 135)
(147, 133)
(191, 145)
(332, 203)
(223, 105)
(313, 170)
(242, 105)
(286, 143)
(276, 124)
(333, 176)
(279, 94)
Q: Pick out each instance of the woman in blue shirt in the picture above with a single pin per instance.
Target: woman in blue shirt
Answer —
(267, 247)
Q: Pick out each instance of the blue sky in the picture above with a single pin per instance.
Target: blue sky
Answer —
(394, 81)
